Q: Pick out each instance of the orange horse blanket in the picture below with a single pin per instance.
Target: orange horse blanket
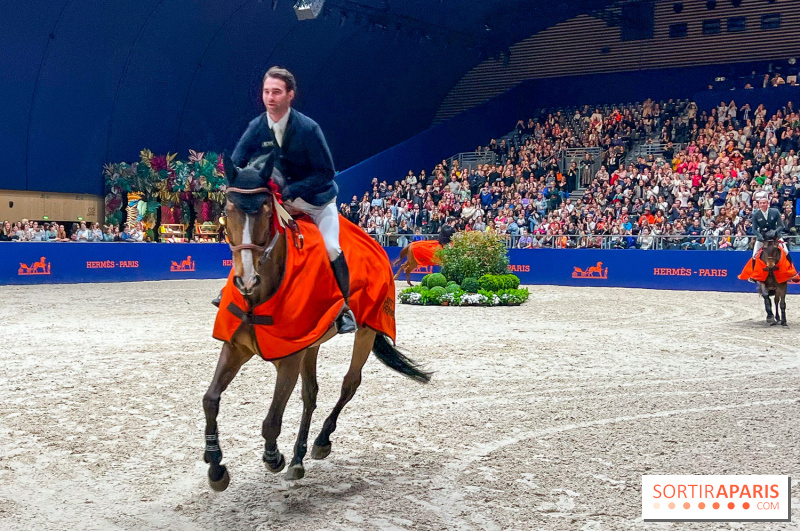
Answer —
(424, 252)
(785, 272)
(308, 301)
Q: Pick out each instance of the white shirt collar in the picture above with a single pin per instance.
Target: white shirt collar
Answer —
(281, 126)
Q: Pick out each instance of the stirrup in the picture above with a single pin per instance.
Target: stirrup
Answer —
(346, 323)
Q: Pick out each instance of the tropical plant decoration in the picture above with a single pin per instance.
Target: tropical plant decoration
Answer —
(180, 186)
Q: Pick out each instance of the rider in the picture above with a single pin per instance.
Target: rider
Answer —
(305, 162)
(767, 225)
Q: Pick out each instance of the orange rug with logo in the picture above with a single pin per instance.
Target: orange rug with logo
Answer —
(786, 271)
(308, 300)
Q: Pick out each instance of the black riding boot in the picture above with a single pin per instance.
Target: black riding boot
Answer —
(346, 323)
(789, 257)
(218, 300)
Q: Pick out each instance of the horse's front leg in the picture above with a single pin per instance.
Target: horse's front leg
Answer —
(309, 374)
(230, 361)
(288, 370)
(782, 294)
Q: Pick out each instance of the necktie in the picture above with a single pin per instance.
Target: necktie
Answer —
(278, 139)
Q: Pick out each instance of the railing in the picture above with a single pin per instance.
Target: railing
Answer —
(400, 240)
(470, 160)
(571, 155)
(652, 242)
(606, 241)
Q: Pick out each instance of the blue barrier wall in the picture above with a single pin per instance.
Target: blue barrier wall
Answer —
(37, 263)
(56, 263)
(673, 270)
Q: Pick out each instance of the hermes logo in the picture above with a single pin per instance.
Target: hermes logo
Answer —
(595, 272)
(185, 265)
(42, 267)
(268, 143)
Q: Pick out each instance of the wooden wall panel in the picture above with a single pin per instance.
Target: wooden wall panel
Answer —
(572, 48)
(58, 207)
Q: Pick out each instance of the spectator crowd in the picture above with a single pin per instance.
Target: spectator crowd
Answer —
(33, 231)
(695, 191)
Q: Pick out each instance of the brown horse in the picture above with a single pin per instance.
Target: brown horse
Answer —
(771, 255)
(407, 254)
(259, 255)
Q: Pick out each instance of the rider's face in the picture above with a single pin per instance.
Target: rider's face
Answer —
(276, 98)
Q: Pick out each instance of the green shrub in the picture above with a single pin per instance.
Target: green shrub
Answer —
(424, 281)
(437, 280)
(490, 283)
(512, 281)
(470, 285)
(452, 283)
(453, 288)
(473, 254)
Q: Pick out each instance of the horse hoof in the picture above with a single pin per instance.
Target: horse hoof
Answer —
(773, 323)
(783, 323)
(295, 471)
(320, 452)
(222, 483)
(278, 467)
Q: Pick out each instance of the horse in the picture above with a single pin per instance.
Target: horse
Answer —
(424, 253)
(252, 222)
(771, 255)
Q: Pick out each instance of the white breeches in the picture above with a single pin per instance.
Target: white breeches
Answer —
(326, 218)
(757, 247)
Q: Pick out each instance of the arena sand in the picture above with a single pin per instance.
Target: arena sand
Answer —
(543, 416)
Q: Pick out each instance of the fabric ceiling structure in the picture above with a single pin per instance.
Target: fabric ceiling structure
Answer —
(85, 82)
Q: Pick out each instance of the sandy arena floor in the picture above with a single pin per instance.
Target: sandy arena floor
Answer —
(543, 416)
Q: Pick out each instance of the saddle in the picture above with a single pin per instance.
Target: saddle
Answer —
(308, 300)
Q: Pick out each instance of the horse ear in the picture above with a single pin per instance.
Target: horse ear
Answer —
(230, 169)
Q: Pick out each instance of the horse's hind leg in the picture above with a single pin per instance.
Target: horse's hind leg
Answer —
(230, 361)
(288, 370)
(403, 254)
(364, 341)
(411, 265)
(308, 372)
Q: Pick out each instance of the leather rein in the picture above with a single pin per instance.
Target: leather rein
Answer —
(285, 220)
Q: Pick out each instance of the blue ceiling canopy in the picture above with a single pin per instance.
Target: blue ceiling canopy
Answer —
(86, 82)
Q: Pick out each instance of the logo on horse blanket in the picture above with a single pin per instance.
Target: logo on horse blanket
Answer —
(308, 301)
(785, 272)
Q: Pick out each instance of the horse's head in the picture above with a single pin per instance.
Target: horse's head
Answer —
(771, 255)
(247, 219)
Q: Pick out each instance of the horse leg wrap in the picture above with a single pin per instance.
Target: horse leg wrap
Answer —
(213, 452)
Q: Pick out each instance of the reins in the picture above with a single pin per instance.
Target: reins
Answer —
(284, 220)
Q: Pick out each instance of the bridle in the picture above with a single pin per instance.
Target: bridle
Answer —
(284, 220)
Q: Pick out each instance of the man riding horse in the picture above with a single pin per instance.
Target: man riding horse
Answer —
(767, 225)
(305, 170)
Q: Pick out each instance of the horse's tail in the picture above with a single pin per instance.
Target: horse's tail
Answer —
(394, 359)
(403, 254)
